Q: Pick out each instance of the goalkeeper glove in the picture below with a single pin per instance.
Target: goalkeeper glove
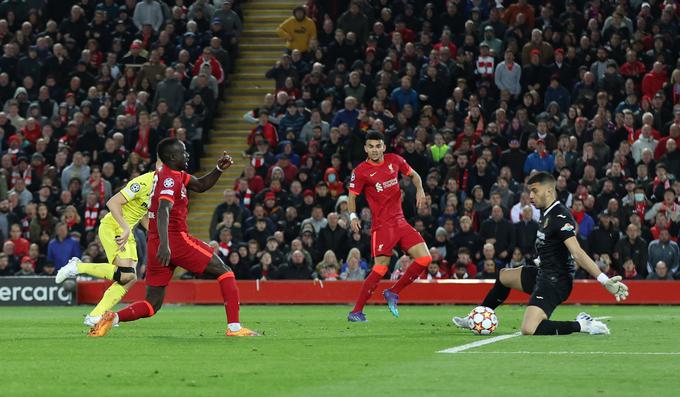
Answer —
(614, 286)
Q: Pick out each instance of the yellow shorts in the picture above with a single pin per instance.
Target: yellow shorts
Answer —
(107, 236)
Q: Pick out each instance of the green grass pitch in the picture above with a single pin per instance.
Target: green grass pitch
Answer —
(314, 351)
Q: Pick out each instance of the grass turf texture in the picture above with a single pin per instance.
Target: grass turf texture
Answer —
(314, 351)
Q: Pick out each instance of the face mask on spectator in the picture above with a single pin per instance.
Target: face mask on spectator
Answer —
(331, 178)
(639, 197)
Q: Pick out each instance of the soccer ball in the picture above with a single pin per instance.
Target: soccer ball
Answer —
(483, 320)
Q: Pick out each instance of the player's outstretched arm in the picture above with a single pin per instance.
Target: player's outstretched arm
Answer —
(115, 206)
(209, 180)
(613, 285)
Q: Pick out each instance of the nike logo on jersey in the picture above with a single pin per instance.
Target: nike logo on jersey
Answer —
(539, 297)
(562, 216)
(373, 174)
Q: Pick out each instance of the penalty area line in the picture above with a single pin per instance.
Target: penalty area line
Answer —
(479, 343)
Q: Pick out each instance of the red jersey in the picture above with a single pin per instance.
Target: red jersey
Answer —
(380, 182)
(169, 185)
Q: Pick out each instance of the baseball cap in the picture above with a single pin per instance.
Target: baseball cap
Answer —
(270, 196)
(308, 192)
(25, 259)
(216, 20)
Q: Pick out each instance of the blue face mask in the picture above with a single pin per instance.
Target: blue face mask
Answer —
(639, 196)
(331, 178)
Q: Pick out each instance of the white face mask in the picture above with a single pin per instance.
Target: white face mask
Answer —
(639, 196)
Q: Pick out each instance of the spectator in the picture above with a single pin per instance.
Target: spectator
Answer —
(525, 232)
(499, 232)
(540, 159)
(26, 268)
(405, 95)
(77, 169)
(62, 248)
(632, 248)
(654, 80)
(508, 75)
(171, 91)
(148, 12)
(333, 237)
(663, 250)
(353, 20)
(353, 270)
(660, 272)
(297, 30)
(295, 269)
(21, 245)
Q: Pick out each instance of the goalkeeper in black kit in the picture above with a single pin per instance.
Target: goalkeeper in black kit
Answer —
(550, 283)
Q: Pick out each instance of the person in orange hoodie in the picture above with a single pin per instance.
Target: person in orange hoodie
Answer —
(654, 80)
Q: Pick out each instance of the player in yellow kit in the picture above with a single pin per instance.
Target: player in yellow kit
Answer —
(127, 208)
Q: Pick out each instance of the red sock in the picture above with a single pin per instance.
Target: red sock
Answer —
(413, 272)
(230, 295)
(370, 283)
(135, 311)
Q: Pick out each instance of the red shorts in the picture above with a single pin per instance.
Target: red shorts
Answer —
(186, 252)
(383, 240)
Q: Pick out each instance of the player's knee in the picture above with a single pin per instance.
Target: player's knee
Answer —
(124, 275)
(424, 260)
(127, 279)
(503, 276)
(528, 329)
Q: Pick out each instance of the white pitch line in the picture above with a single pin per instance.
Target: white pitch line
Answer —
(602, 318)
(582, 353)
(478, 343)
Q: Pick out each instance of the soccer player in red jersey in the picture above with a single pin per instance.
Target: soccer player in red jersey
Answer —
(169, 244)
(378, 178)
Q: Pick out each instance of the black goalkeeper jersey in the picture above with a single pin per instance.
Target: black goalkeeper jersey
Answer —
(556, 225)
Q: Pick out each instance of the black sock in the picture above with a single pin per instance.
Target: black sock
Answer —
(547, 327)
(497, 295)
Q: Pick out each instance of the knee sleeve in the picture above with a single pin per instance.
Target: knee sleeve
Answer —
(120, 270)
(423, 260)
(380, 269)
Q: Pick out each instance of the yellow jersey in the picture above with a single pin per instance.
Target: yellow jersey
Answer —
(137, 193)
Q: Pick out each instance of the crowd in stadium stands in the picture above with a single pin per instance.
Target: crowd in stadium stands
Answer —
(475, 95)
(87, 89)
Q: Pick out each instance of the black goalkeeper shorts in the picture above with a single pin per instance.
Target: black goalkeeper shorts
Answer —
(546, 292)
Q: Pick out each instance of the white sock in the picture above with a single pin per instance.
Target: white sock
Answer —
(234, 327)
(584, 326)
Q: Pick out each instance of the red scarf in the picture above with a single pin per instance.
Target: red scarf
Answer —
(630, 274)
(578, 216)
(257, 162)
(26, 175)
(70, 223)
(142, 146)
(247, 197)
(631, 134)
(131, 109)
(91, 216)
(100, 187)
(225, 249)
(464, 182)
(641, 208)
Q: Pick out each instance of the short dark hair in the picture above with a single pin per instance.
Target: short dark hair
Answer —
(542, 177)
(164, 147)
(375, 135)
